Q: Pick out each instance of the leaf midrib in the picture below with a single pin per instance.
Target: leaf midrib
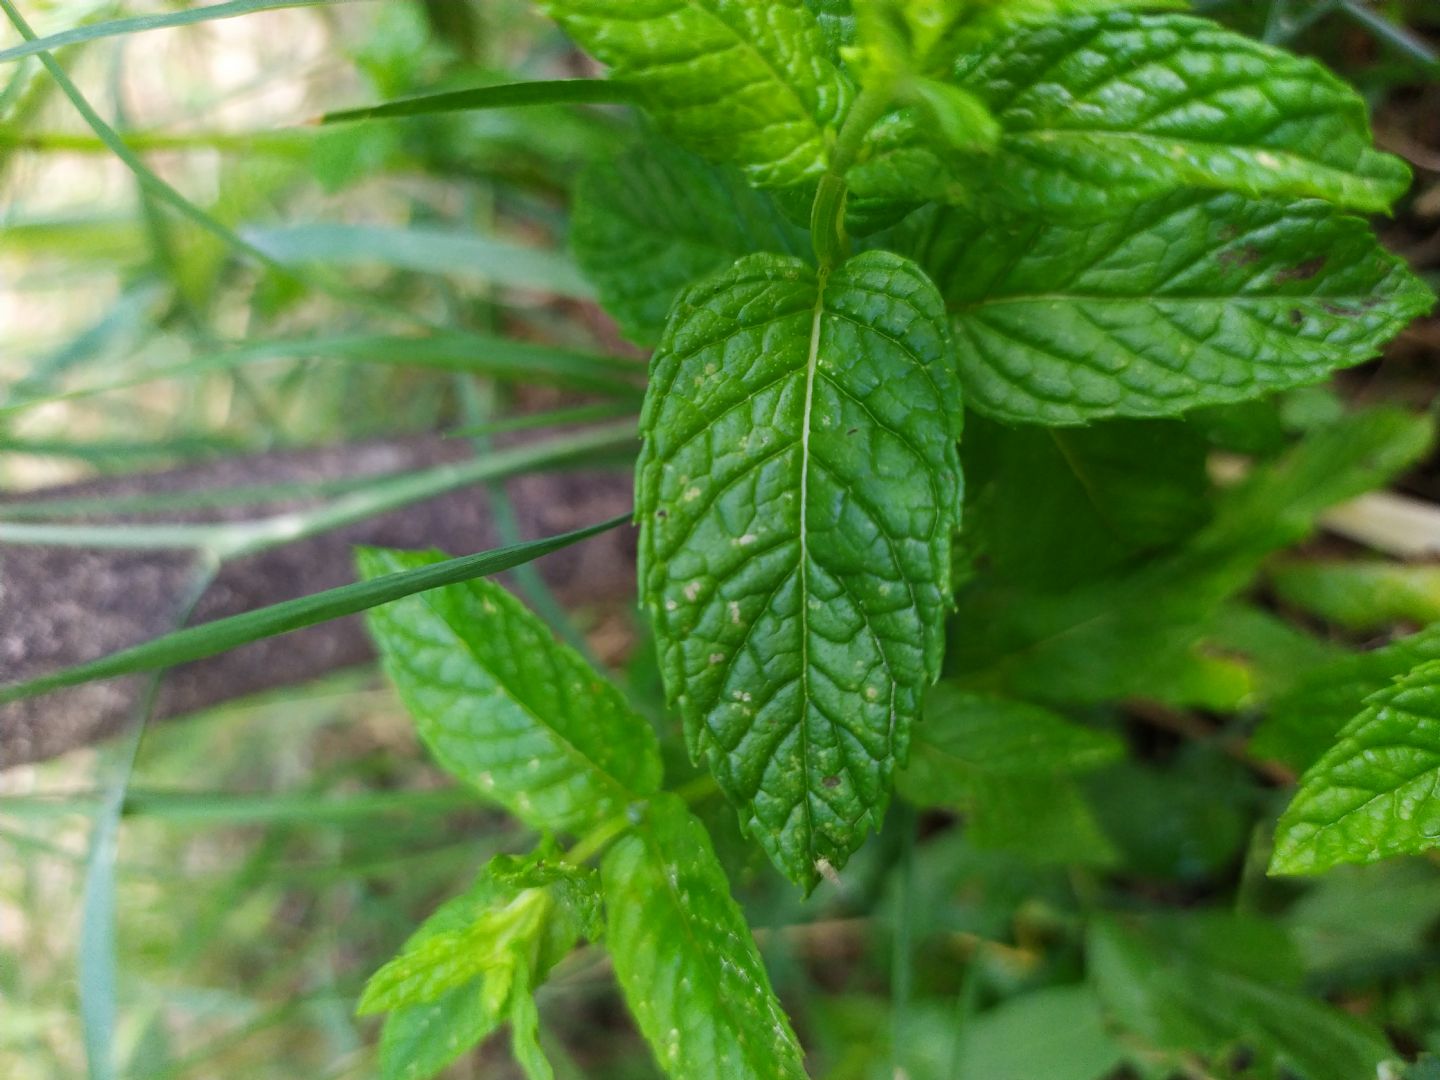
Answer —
(812, 363)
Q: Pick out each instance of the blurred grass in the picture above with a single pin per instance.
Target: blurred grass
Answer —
(267, 857)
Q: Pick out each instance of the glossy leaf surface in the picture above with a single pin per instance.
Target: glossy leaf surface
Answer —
(796, 495)
(1372, 795)
(685, 958)
(1304, 722)
(508, 709)
(476, 962)
(1189, 300)
(747, 82)
(651, 222)
(1108, 110)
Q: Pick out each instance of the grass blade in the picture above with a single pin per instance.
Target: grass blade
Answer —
(149, 180)
(506, 95)
(136, 24)
(428, 251)
(98, 964)
(229, 540)
(479, 354)
(208, 639)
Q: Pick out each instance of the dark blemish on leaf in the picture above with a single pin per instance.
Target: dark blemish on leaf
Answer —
(662, 513)
(1241, 256)
(1229, 232)
(1296, 316)
(1304, 272)
(1343, 312)
(830, 781)
(852, 431)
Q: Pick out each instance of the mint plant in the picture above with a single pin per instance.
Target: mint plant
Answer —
(1076, 247)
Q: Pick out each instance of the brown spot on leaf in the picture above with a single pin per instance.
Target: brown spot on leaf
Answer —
(1296, 316)
(830, 781)
(1304, 272)
(1343, 312)
(1241, 256)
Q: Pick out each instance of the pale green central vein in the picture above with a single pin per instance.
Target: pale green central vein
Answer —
(812, 362)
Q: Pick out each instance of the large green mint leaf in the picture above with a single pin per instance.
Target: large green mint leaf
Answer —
(1106, 110)
(968, 736)
(650, 222)
(476, 962)
(505, 707)
(685, 958)
(1303, 723)
(1206, 984)
(1372, 795)
(742, 81)
(796, 495)
(1189, 300)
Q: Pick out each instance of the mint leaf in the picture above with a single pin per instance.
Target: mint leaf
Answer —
(650, 222)
(1039, 820)
(475, 963)
(1104, 111)
(1372, 795)
(1303, 723)
(1339, 927)
(1057, 1033)
(1097, 496)
(1209, 984)
(1360, 596)
(525, 1031)
(1184, 301)
(418, 1041)
(1005, 764)
(685, 958)
(747, 82)
(796, 496)
(505, 707)
(1142, 631)
(967, 736)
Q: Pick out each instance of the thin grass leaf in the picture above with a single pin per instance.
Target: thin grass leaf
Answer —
(1395, 35)
(215, 808)
(428, 251)
(98, 964)
(479, 354)
(506, 95)
(209, 639)
(147, 179)
(140, 23)
(580, 414)
(229, 540)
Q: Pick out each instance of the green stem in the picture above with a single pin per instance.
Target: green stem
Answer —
(827, 213)
(610, 830)
(863, 114)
